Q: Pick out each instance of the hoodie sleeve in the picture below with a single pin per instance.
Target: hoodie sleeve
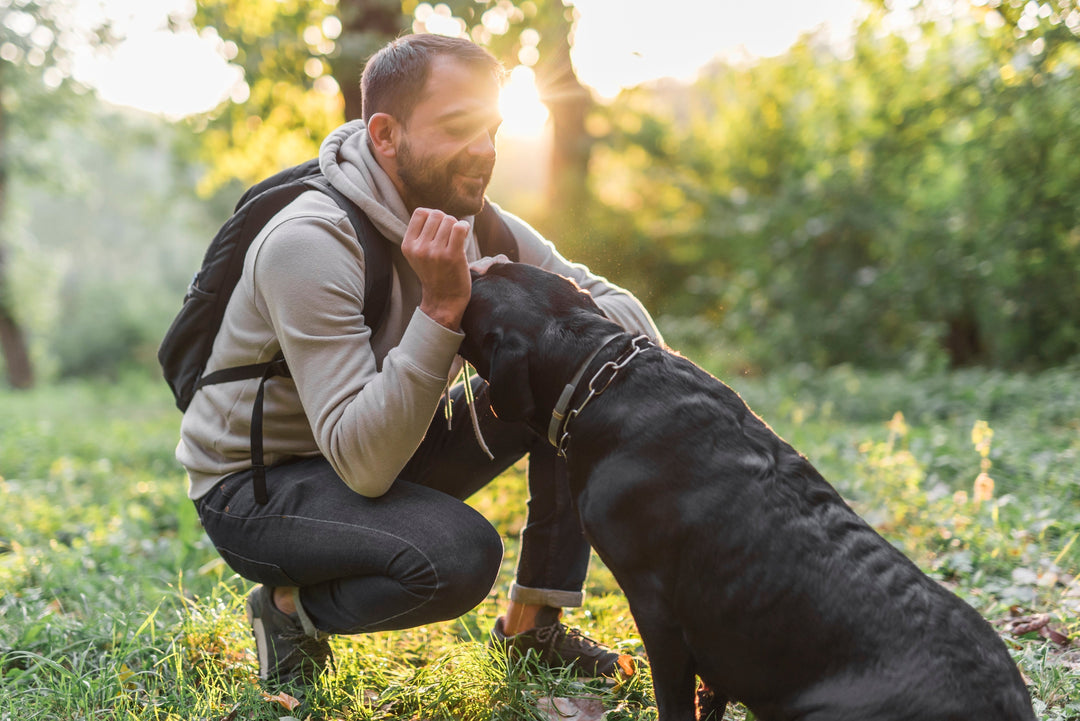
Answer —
(308, 282)
(618, 304)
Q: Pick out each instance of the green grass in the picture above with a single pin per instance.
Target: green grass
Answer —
(114, 605)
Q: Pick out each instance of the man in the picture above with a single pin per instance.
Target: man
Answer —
(365, 528)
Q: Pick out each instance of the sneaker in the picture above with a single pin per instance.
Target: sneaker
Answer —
(287, 655)
(557, 645)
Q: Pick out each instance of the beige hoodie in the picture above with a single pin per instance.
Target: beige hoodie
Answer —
(362, 401)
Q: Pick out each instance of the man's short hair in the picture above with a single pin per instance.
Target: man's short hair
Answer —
(394, 78)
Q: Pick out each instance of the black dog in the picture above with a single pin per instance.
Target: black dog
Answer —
(741, 564)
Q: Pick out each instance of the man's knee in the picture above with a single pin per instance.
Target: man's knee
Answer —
(474, 571)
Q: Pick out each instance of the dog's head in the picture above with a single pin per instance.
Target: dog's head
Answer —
(519, 320)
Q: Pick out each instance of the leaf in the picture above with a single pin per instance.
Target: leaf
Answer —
(282, 698)
(1054, 636)
(557, 708)
(1028, 624)
(124, 675)
(1040, 624)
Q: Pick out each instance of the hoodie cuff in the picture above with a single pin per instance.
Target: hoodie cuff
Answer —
(429, 345)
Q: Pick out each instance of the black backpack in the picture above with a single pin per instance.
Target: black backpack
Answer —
(187, 344)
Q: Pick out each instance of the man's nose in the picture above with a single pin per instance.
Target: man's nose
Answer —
(482, 145)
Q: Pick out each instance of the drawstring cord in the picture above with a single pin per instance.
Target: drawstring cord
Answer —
(470, 401)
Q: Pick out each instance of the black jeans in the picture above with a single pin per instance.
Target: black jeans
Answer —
(416, 554)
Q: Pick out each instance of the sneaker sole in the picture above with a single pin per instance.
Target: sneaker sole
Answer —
(259, 632)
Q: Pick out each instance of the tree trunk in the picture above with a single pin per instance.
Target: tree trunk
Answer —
(20, 372)
(367, 25)
(568, 102)
(963, 340)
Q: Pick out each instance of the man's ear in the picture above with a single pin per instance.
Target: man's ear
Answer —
(384, 132)
(508, 377)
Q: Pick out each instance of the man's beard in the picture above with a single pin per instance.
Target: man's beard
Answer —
(430, 184)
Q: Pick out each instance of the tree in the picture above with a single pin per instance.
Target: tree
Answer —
(539, 34)
(367, 26)
(302, 61)
(36, 46)
(912, 200)
(12, 339)
(290, 50)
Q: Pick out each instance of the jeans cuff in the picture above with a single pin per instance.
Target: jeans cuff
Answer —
(546, 596)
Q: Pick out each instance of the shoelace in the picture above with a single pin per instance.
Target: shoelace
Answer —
(575, 639)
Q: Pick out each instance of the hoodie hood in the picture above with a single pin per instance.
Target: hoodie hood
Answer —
(348, 163)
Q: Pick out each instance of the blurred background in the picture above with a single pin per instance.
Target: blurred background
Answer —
(863, 215)
(887, 184)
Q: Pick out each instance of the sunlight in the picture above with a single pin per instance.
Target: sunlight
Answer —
(173, 74)
(524, 116)
(621, 43)
(617, 44)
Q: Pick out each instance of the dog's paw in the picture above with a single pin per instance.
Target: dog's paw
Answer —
(710, 707)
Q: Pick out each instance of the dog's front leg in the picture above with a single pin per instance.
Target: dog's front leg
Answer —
(672, 667)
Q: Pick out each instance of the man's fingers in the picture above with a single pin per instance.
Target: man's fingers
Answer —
(459, 232)
(434, 246)
(417, 222)
(484, 264)
(436, 229)
(443, 231)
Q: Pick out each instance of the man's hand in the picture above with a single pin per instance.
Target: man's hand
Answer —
(434, 245)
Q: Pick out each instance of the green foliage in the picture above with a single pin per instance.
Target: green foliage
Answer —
(912, 201)
(99, 261)
(302, 61)
(292, 103)
(38, 40)
(113, 603)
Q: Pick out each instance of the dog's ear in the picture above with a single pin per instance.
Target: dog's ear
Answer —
(508, 376)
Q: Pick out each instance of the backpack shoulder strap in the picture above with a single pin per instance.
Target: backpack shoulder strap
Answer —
(378, 267)
(494, 235)
(307, 169)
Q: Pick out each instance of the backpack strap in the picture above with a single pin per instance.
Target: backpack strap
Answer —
(304, 170)
(493, 234)
(275, 367)
(377, 262)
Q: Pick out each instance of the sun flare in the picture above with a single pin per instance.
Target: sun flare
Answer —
(524, 116)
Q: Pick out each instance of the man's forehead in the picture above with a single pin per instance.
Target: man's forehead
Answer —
(452, 80)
